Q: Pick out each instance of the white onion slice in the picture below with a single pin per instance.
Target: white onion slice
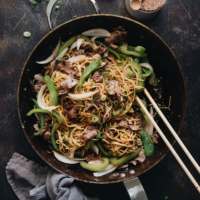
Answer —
(39, 77)
(110, 166)
(147, 65)
(95, 162)
(62, 54)
(39, 99)
(64, 159)
(48, 11)
(72, 154)
(93, 42)
(74, 45)
(98, 32)
(77, 58)
(102, 173)
(79, 42)
(81, 96)
(149, 126)
(51, 57)
(95, 149)
(97, 56)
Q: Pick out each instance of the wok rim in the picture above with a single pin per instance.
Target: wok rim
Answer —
(184, 106)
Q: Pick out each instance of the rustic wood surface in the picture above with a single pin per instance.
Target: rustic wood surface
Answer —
(178, 24)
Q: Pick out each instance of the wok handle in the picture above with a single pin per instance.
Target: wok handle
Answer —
(135, 189)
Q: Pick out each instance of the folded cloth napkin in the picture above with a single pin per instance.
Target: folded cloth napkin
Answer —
(31, 181)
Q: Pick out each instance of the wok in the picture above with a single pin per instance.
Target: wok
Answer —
(161, 57)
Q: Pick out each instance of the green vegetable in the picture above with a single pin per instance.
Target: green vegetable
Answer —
(95, 167)
(121, 111)
(106, 82)
(48, 1)
(103, 97)
(38, 110)
(70, 132)
(60, 59)
(140, 49)
(147, 73)
(86, 148)
(74, 16)
(57, 7)
(41, 118)
(130, 48)
(124, 57)
(123, 49)
(91, 68)
(106, 74)
(105, 153)
(27, 34)
(85, 38)
(95, 119)
(58, 3)
(119, 161)
(108, 89)
(53, 94)
(116, 103)
(101, 71)
(33, 3)
(100, 135)
(137, 59)
(110, 50)
(102, 109)
(145, 60)
(53, 141)
(107, 126)
(114, 113)
(108, 104)
(147, 142)
(93, 100)
(66, 44)
(90, 80)
(120, 64)
(153, 80)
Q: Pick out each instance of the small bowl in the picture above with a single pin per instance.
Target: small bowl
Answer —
(141, 14)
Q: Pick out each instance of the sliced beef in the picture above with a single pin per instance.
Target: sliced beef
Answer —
(91, 54)
(89, 133)
(102, 50)
(72, 112)
(124, 166)
(47, 136)
(114, 47)
(89, 106)
(154, 138)
(103, 65)
(90, 156)
(38, 86)
(66, 66)
(45, 133)
(140, 158)
(126, 123)
(66, 85)
(79, 52)
(36, 127)
(116, 37)
(115, 90)
(87, 46)
(97, 99)
(97, 77)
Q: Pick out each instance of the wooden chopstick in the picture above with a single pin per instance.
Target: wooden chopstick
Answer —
(172, 131)
(168, 144)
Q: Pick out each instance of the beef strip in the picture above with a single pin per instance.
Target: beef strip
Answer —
(66, 85)
(115, 90)
(87, 46)
(154, 138)
(72, 112)
(102, 50)
(89, 133)
(114, 47)
(140, 158)
(66, 66)
(45, 133)
(90, 156)
(89, 106)
(116, 37)
(97, 77)
(38, 86)
(79, 52)
(126, 123)
(36, 127)
(97, 99)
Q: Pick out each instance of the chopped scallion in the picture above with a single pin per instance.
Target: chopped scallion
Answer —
(107, 126)
(27, 34)
(114, 113)
(95, 119)
(106, 81)
(103, 97)
(121, 111)
(108, 89)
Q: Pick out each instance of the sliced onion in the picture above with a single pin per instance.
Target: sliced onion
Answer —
(77, 58)
(110, 166)
(102, 173)
(95, 162)
(93, 42)
(72, 154)
(95, 149)
(62, 54)
(97, 56)
(48, 11)
(64, 159)
(51, 57)
(81, 96)
(149, 126)
(74, 45)
(98, 32)
(147, 65)
(39, 99)
(79, 42)
(39, 77)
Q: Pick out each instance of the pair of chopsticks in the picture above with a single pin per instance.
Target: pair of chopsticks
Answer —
(165, 139)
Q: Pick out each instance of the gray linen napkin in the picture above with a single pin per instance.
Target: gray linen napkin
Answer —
(31, 181)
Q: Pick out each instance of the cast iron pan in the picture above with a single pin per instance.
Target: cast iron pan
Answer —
(165, 65)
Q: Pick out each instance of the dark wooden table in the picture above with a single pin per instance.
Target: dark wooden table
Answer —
(178, 24)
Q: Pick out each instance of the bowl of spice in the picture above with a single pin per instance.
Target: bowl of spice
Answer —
(144, 9)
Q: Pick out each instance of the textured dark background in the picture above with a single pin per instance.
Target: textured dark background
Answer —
(178, 24)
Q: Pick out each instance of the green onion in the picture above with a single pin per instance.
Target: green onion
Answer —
(130, 48)
(106, 74)
(120, 64)
(108, 104)
(100, 135)
(59, 3)
(95, 119)
(138, 140)
(90, 80)
(48, 1)
(60, 59)
(74, 16)
(27, 34)
(126, 98)
(100, 71)
(116, 103)
(100, 123)
(140, 49)
(57, 7)
(108, 89)
(106, 81)
(79, 102)
(103, 97)
(33, 3)
(102, 109)
(121, 111)
(93, 100)
(114, 113)
(107, 126)
(124, 92)
(137, 59)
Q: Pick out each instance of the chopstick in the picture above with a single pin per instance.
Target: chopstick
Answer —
(168, 144)
(172, 131)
